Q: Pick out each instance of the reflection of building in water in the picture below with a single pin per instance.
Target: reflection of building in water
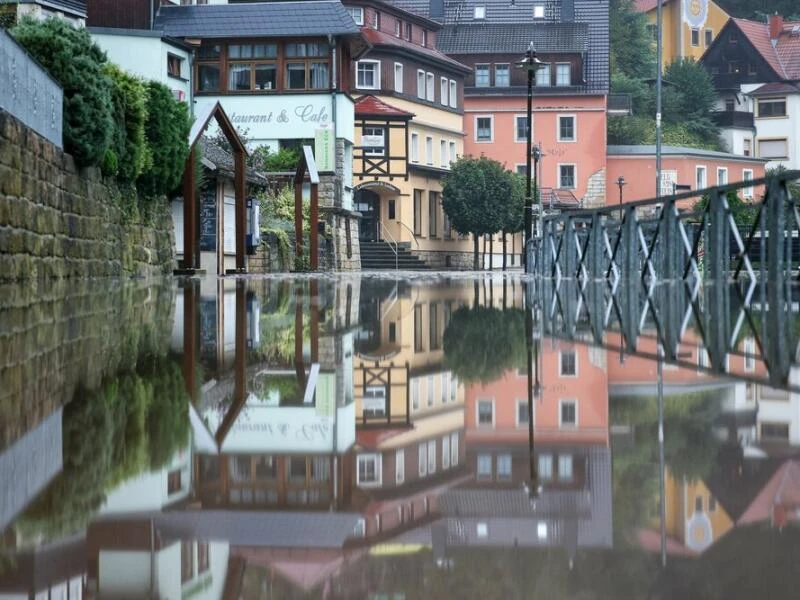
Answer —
(53, 570)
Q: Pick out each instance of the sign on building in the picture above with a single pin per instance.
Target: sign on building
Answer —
(324, 149)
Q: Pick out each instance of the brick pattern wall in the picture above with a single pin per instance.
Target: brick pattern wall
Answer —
(60, 221)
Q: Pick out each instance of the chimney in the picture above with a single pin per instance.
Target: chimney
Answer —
(436, 9)
(775, 26)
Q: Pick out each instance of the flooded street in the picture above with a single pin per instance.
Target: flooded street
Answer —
(436, 436)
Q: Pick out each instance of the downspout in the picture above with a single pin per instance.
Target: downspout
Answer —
(337, 196)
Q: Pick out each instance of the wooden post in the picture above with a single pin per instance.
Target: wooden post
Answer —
(190, 337)
(189, 213)
(241, 209)
(314, 219)
(240, 350)
(298, 219)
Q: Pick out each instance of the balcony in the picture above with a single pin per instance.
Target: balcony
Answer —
(619, 104)
(734, 118)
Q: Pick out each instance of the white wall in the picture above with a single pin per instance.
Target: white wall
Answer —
(124, 573)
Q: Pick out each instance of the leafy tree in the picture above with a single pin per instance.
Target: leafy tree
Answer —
(473, 196)
(167, 134)
(130, 115)
(691, 99)
(632, 47)
(759, 9)
(264, 159)
(514, 210)
(70, 56)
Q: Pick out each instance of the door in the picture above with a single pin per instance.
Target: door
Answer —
(368, 204)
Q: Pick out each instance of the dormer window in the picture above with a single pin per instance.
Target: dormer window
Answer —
(480, 12)
(398, 27)
(357, 13)
(538, 11)
(424, 37)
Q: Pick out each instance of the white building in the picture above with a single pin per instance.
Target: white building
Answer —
(73, 11)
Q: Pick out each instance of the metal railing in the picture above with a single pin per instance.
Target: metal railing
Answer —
(411, 231)
(385, 233)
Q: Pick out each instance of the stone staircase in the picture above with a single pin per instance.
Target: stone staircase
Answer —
(379, 256)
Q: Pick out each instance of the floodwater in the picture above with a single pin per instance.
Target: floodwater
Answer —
(439, 436)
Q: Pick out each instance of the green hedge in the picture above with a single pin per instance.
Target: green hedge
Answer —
(128, 143)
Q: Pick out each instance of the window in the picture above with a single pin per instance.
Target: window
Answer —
(568, 413)
(374, 402)
(408, 32)
(369, 469)
(502, 76)
(304, 69)
(504, 466)
(446, 452)
(433, 211)
(482, 530)
(698, 504)
(733, 39)
(566, 176)
(174, 64)
(202, 557)
(695, 37)
(522, 170)
(565, 467)
(424, 37)
(357, 13)
(453, 94)
(398, 78)
(486, 412)
(522, 413)
(772, 149)
(722, 176)
(376, 20)
(751, 69)
(187, 561)
(483, 129)
(423, 459)
(545, 467)
(431, 395)
(368, 74)
(730, 104)
(400, 466)
(373, 140)
(174, 482)
(778, 432)
(421, 84)
(543, 76)
(454, 449)
(480, 12)
(484, 470)
(703, 359)
(453, 155)
(733, 67)
(701, 181)
(747, 175)
(429, 150)
(443, 153)
(418, 214)
(208, 67)
(453, 379)
(431, 457)
(771, 107)
(568, 363)
(253, 67)
(392, 210)
(747, 148)
(521, 128)
(566, 128)
(414, 148)
(563, 74)
(443, 91)
(431, 87)
(433, 334)
(398, 27)
(709, 37)
(418, 328)
(538, 10)
(481, 75)
(415, 393)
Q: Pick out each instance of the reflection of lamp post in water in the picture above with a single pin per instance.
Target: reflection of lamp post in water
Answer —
(534, 387)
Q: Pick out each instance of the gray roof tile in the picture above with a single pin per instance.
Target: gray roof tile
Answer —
(500, 38)
(259, 19)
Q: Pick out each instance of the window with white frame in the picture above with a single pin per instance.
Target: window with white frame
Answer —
(545, 462)
(521, 128)
(538, 10)
(357, 13)
(722, 176)
(480, 12)
(373, 139)
(368, 74)
(747, 175)
(485, 413)
(443, 86)
(453, 94)
(443, 153)
(771, 107)
(374, 402)
(423, 459)
(430, 391)
(398, 27)
(565, 467)
(428, 150)
(431, 86)
(444, 384)
(749, 354)
(453, 386)
(701, 177)
(376, 19)
(567, 413)
(568, 363)
(454, 449)
(452, 155)
(415, 393)
(484, 467)
(566, 128)
(566, 177)
(504, 466)
(420, 84)
(482, 78)
(424, 37)
(431, 457)
(563, 74)
(414, 147)
(398, 77)
(523, 416)
(483, 128)
(445, 452)
(543, 76)
(703, 360)
(369, 469)
(502, 75)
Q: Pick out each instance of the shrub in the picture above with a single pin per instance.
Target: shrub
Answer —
(285, 159)
(167, 133)
(70, 56)
(128, 141)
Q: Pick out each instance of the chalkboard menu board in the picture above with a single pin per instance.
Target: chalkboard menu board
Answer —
(208, 219)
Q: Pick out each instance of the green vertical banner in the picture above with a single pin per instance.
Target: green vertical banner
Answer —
(324, 150)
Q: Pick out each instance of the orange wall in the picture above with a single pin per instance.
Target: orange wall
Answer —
(587, 152)
(640, 174)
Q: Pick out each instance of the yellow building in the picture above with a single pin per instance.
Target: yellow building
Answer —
(690, 26)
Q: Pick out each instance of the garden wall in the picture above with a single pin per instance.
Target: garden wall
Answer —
(59, 221)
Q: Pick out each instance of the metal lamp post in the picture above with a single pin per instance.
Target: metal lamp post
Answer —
(532, 64)
(620, 182)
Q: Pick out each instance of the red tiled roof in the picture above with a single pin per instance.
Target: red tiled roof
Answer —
(370, 106)
(380, 38)
(784, 55)
(788, 50)
(776, 87)
(647, 5)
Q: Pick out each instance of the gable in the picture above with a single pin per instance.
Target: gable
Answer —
(731, 50)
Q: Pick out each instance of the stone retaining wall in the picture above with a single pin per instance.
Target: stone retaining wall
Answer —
(60, 221)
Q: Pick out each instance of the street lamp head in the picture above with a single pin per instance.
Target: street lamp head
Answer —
(530, 61)
(620, 181)
(536, 153)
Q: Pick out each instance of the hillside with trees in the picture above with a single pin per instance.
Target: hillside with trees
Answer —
(759, 9)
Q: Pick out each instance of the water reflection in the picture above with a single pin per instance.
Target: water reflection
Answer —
(351, 437)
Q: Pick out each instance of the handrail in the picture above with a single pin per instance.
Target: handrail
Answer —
(411, 231)
(391, 237)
